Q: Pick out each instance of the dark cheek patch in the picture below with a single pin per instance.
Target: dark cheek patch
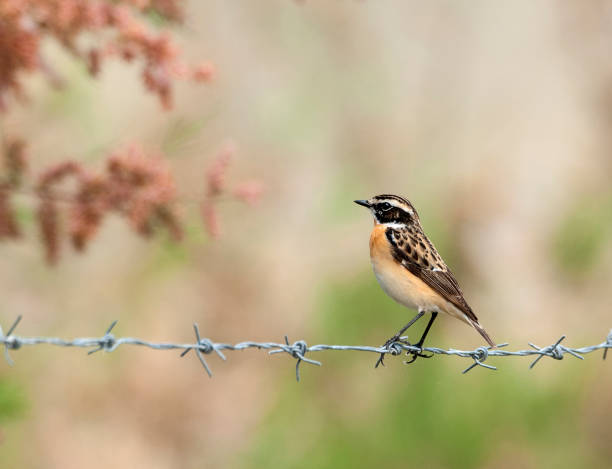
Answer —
(393, 215)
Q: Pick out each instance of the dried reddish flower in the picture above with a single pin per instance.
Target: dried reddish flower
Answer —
(13, 164)
(9, 228)
(170, 9)
(48, 221)
(133, 184)
(119, 25)
(215, 176)
(48, 212)
(89, 208)
(249, 191)
(210, 218)
(140, 187)
(94, 62)
(203, 72)
(15, 161)
(215, 185)
(18, 48)
(56, 174)
(169, 218)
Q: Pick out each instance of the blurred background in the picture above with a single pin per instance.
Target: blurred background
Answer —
(493, 118)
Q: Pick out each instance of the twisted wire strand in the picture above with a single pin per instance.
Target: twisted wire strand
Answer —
(298, 350)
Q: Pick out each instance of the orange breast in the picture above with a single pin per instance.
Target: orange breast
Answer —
(401, 285)
(379, 244)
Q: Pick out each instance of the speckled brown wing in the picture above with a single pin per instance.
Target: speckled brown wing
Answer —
(411, 248)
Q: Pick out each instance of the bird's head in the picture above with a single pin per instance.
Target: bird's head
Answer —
(391, 210)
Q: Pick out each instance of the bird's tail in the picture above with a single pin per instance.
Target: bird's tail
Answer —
(483, 333)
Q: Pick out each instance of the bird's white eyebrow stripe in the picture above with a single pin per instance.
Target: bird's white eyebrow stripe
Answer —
(395, 203)
(402, 205)
(390, 197)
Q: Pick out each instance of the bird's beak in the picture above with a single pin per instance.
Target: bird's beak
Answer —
(364, 203)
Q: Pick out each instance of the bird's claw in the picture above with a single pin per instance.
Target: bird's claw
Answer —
(416, 354)
(393, 340)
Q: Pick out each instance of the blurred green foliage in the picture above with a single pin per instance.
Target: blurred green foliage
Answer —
(429, 415)
(157, 19)
(12, 400)
(184, 132)
(583, 234)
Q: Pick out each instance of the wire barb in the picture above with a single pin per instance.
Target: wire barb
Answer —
(10, 342)
(479, 356)
(203, 346)
(298, 350)
(555, 351)
(608, 344)
(107, 341)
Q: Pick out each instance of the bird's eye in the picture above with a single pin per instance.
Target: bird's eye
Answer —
(385, 206)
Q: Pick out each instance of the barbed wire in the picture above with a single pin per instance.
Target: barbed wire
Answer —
(204, 346)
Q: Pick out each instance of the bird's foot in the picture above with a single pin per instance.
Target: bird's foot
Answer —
(393, 351)
(414, 354)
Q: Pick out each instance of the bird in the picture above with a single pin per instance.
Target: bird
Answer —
(411, 271)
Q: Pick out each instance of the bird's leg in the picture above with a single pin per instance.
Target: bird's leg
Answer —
(396, 337)
(419, 344)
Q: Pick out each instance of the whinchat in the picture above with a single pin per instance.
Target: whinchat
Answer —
(409, 268)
